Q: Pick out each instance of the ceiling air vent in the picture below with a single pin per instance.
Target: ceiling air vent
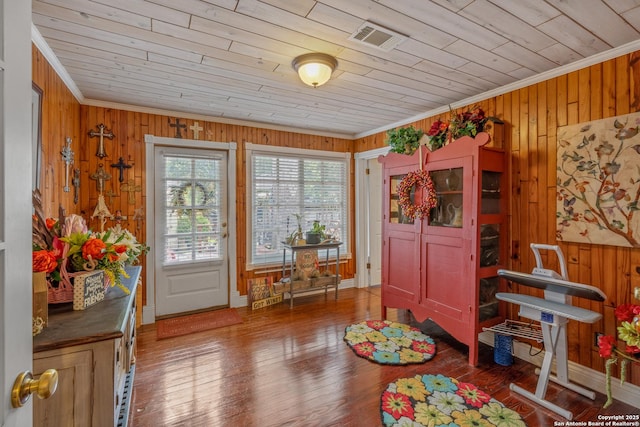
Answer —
(377, 36)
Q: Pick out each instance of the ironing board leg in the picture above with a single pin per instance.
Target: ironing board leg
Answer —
(550, 336)
(555, 408)
(555, 344)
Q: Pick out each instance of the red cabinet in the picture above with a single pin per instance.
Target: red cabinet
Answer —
(444, 266)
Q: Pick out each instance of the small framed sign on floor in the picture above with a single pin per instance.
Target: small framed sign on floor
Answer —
(260, 293)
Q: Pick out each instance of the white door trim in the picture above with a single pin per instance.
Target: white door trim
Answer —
(148, 310)
(361, 209)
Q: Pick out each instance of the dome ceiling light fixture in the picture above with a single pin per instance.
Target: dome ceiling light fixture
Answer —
(315, 69)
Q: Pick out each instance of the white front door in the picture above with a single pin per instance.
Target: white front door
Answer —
(15, 205)
(191, 230)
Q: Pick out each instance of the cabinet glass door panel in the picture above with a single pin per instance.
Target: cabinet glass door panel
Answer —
(396, 215)
(489, 245)
(449, 188)
(490, 198)
(487, 301)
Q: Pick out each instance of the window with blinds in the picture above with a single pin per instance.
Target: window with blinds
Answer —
(193, 201)
(288, 189)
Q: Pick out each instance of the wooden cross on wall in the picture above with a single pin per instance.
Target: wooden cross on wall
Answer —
(131, 188)
(178, 126)
(100, 176)
(110, 194)
(196, 128)
(102, 134)
(138, 216)
(121, 165)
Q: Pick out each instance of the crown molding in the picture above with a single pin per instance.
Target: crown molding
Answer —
(215, 119)
(46, 51)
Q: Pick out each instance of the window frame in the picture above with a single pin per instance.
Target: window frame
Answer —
(250, 150)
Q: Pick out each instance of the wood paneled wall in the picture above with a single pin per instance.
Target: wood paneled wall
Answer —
(532, 116)
(60, 119)
(130, 128)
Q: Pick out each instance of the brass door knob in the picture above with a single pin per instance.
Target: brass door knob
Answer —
(25, 385)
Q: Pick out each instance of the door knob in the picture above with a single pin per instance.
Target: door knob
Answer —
(25, 385)
(224, 224)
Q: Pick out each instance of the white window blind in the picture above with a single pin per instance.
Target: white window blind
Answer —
(285, 184)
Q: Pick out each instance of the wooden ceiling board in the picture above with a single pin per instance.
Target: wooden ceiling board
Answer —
(232, 59)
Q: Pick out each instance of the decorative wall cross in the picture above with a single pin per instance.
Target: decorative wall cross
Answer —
(76, 184)
(178, 126)
(110, 194)
(67, 157)
(121, 165)
(196, 128)
(102, 212)
(118, 218)
(103, 133)
(100, 176)
(131, 188)
(138, 216)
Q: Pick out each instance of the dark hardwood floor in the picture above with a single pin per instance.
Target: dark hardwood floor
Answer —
(291, 367)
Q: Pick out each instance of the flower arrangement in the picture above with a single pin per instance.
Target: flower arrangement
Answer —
(418, 179)
(629, 332)
(468, 123)
(73, 247)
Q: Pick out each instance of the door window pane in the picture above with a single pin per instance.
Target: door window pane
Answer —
(193, 192)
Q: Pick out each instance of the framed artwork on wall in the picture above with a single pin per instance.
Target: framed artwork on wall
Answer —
(598, 184)
(36, 134)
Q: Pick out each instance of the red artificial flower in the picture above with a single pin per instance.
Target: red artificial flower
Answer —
(93, 248)
(435, 128)
(605, 345)
(44, 260)
(626, 312)
(50, 223)
(632, 349)
(58, 246)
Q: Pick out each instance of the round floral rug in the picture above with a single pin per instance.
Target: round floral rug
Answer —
(391, 343)
(436, 400)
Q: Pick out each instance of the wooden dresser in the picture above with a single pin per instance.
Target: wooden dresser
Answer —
(94, 353)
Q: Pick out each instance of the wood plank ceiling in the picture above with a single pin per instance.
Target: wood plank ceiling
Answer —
(230, 60)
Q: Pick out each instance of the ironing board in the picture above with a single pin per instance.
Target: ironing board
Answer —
(553, 312)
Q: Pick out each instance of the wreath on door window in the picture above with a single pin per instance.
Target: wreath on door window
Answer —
(417, 179)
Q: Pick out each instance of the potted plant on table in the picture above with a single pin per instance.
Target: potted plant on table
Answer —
(316, 234)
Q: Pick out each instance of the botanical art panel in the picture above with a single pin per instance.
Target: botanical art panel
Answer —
(598, 182)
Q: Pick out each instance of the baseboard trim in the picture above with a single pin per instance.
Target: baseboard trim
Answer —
(148, 314)
(579, 374)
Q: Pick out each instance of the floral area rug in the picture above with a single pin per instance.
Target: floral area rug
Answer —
(391, 343)
(436, 400)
